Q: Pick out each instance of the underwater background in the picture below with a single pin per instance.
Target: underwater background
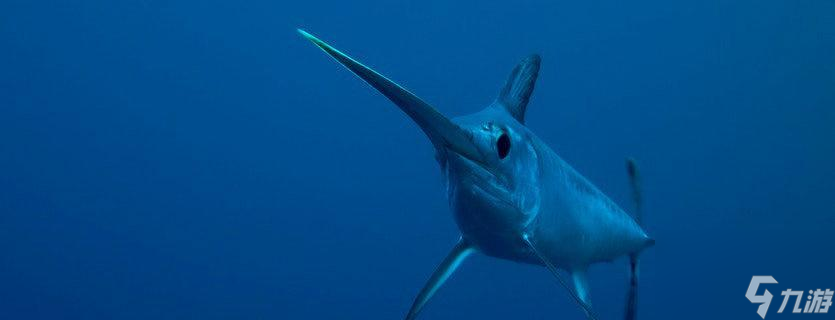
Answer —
(201, 160)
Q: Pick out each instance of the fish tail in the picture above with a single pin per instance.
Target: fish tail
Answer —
(634, 262)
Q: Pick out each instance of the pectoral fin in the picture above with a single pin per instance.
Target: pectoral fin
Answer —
(577, 295)
(454, 259)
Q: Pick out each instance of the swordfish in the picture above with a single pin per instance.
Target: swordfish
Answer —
(511, 196)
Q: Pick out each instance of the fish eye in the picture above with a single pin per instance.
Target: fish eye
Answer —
(503, 145)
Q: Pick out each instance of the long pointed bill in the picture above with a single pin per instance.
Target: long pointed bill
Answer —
(441, 131)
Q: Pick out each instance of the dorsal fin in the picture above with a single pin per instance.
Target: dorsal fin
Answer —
(519, 86)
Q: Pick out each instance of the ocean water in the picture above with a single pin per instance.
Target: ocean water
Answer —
(201, 160)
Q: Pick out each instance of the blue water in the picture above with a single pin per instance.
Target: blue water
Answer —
(201, 160)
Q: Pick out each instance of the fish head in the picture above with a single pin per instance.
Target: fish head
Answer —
(499, 189)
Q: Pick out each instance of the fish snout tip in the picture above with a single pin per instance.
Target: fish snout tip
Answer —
(303, 33)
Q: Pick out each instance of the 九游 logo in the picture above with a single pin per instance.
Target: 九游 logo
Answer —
(818, 301)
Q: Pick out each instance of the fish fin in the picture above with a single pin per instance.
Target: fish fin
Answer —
(635, 184)
(454, 259)
(632, 296)
(631, 311)
(519, 86)
(581, 284)
(590, 314)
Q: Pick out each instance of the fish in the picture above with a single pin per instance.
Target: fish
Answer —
(511, 196)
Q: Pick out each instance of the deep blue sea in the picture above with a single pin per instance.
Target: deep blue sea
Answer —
(201, 160)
